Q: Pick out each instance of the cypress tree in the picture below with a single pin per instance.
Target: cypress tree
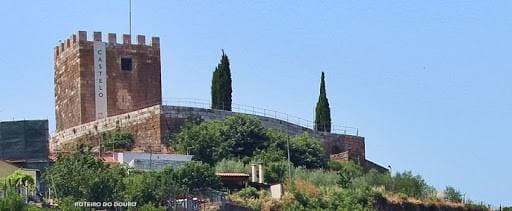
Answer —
(322, 111)
(221, 85)
(215, 89)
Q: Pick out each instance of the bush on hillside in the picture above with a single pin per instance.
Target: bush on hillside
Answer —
(317, 177)
(248, 193)
(411, 185)
(348, 172)
(276, 172)
(452, 194)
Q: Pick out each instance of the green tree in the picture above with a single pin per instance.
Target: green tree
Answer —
(270, 155)
(152, 187)
(237, 136)
(196, 175)
(452, 194)
(275, 172)
(323, 112)
(202, 140)
(307, 151)
(141, 188)
(221, 88)
(81, 177)
(243, 135)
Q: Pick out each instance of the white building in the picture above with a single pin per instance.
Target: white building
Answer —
(150, 161)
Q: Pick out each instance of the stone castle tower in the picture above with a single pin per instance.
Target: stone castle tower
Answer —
(96, 79)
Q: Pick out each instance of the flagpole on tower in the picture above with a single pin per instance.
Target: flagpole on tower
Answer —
(130, 17)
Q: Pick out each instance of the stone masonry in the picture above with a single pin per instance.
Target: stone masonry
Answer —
(153, 126)
(126, 90)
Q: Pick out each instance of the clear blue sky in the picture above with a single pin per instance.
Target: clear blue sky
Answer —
(427, 82)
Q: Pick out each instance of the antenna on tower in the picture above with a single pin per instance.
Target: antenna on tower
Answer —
(130, 14)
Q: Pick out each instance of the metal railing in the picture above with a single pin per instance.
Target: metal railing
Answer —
(265, 112)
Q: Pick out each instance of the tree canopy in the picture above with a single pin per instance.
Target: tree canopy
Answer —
(238, 136)
(244, 137)
(81, 177)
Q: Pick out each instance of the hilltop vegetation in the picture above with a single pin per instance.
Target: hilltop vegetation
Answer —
(230, 146)
(316, 183)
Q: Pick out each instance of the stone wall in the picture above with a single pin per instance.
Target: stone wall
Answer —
(154, 125)
(175, 116)
(126, 90)
(144, 124)
(24, 140)
(67, 85)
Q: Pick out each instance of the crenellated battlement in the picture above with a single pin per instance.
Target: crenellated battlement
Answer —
(81, 38)
(128, 63)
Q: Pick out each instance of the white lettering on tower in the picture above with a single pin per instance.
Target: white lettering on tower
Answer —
(100, 79)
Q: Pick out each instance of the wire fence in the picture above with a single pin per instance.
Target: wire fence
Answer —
(247, 109)
(265, 112)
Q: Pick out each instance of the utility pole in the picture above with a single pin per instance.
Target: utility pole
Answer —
(150, 156)
(288, 147)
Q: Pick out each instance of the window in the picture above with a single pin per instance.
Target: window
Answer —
(126, 64)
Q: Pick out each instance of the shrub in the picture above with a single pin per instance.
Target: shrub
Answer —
(471, 205)
(317, 177)
(348, 172)
(276, 172)
(452, 194)
(334, 165)
(12, 202)
(308, 197)
(410, 185)
(373, 179)
(248, 193)
(150, 207)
